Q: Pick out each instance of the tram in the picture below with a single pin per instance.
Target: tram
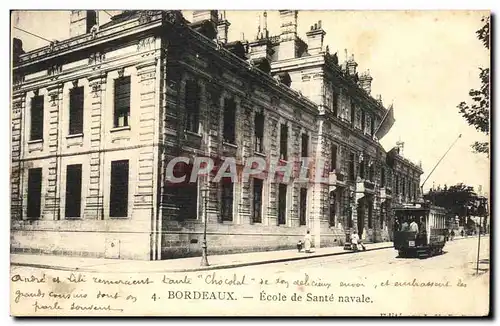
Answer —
(419, 230)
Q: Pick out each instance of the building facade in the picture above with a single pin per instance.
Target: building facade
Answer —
(99, 119)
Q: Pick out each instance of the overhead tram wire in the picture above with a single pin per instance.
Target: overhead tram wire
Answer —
(442, 157)
(38, 36)
(108, 13)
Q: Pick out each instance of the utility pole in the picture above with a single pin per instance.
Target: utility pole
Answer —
(478, 247)
(204, 259)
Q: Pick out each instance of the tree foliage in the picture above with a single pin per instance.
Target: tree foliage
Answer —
(460, 200)
(454, 198)
(477, 112)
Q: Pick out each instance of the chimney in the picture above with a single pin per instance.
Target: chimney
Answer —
(288, 47)
(365, 81)
(206, 22)
(17, 49)
(260, 54)
(81, 22)
(379, 99)
(315, 37)
(400, 145)
(288, 20)
(351, 66)
(222, 28)
(202, 15)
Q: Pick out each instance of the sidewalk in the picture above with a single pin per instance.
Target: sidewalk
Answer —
(177, 265)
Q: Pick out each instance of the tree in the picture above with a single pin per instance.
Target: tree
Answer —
(457, 199)
(477, 113)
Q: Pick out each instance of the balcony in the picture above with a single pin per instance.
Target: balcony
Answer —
(229, 150)
(385, 193)
(365, 186)
(336, 179)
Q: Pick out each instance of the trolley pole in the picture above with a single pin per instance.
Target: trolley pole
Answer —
(478, 246)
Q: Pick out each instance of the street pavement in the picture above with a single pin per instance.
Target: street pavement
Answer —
(460, 254)
(86, 264)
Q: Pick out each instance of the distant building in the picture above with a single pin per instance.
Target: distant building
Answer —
(97, 118)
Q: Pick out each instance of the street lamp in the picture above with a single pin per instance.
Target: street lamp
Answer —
(204, 260)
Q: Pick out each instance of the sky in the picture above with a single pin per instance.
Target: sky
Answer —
(424, 62)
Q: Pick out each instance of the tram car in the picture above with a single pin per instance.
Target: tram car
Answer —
(419, 230)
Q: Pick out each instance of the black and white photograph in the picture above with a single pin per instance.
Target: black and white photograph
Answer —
(250, 163)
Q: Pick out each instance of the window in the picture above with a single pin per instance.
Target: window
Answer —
(363, 121)
(382, 177)
(372, 126)
(383, 212)
(229, 134)
(370, 214)
(34, 193)
(303, 206)
(118, 199)
(192, 104)
(352, 175)
(358, 119)
(305, 145)
(36, 126)
(333, 158)
(257, 200)
(403, 184)
(76, 111)
(284, 142)
(122, 102)
(333, 199)
(73, 190)
(304, 150)
(227, 199)
(396, 179)
(353, 113)
(185, 194)
(282, 204)
(259, 132)
(362, 169)
(371, 172)
(335, 98)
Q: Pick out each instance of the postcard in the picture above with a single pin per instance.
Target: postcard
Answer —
(250, 163)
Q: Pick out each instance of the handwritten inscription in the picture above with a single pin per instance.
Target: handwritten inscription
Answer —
(81, 293)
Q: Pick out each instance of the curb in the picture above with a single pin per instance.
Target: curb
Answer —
(215, 267)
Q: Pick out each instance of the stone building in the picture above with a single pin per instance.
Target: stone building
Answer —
(99, 118)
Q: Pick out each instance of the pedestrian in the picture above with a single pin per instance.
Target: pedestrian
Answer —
(414, 226)
(462, 233)
(307, 242)
(404, 226)
(452, 235)
(356, 241)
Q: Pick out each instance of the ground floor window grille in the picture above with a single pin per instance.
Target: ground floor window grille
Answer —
(282, 204)
(118, 206)
(34, 193)
(257, 200)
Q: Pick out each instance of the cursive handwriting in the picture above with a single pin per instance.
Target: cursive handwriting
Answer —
(75, 306)
(20, 295)
(415, 283)
(31, 279)
(308, 282)
(54, 306)
(144, 281)
(184, 280)
(212, 279)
